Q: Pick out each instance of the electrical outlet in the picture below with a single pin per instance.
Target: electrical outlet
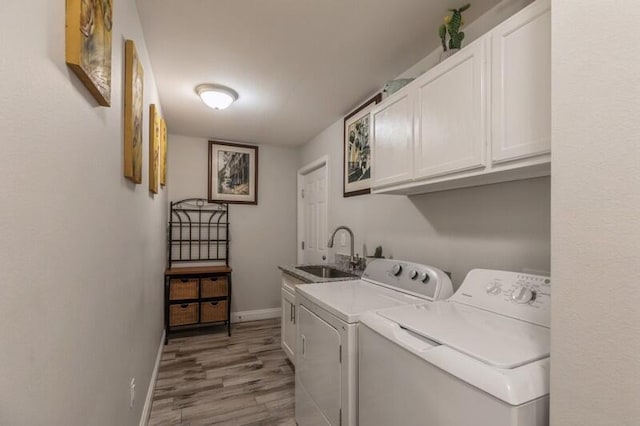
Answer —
(132, 392)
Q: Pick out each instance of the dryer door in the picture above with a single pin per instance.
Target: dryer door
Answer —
(317, 371)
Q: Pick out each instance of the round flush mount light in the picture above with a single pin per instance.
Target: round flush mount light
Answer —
(216, 96)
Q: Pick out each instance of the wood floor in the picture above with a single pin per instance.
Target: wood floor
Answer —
(213, 379)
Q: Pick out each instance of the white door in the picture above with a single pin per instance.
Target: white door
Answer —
(318, 370)
(393, 140)
(521, 84)
(313, 227)
(451, 114)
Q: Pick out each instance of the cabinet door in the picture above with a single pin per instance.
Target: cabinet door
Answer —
(288, 330)
(451, 114)
(393, 140)
(521, 84)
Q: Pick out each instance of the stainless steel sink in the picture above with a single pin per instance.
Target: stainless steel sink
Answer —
(325, 272)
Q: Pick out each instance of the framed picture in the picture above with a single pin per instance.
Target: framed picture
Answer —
(88, 45)
(357, 149)
(233, 173)
(163, 152)
(155, 133)
(133, 96)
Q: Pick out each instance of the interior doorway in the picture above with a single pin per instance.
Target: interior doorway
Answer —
(313, 182)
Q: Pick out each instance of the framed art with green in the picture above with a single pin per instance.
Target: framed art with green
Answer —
(233, 173)
(357, 149)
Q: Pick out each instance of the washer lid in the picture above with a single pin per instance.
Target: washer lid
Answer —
(347, 300)
(496, 340)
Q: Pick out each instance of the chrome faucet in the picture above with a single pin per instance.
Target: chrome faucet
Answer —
(352, 259)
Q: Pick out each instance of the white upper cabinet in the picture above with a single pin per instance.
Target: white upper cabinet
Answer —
(481, 116)
(521, 84)
(392, 123)
(450, 115)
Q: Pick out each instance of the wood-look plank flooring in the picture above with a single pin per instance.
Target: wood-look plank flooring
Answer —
(214, 379)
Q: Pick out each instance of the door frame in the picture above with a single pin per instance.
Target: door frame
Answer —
(302, 172)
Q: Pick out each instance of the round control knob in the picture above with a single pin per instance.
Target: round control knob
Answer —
(397, 269)
(413, 274)
(494, 288)
(523, 295)
(424, 277)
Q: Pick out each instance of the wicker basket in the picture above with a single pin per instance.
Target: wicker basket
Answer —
(213, 311)
(183, 314)
(214, 286)
(181, 289)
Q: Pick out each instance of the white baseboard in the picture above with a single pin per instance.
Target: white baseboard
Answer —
(146, 410)
(260, 314)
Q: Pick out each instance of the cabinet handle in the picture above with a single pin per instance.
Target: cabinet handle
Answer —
(303, 345)
(213, 303)
(184, 280)
(294, 313)
(184, 305)
(213, 278)
(290, 312)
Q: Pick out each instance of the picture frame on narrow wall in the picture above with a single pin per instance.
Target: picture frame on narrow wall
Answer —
(133, 113)
(163, 152)
(358, 161)
(88, 45)
(155, 134)
(233, 173)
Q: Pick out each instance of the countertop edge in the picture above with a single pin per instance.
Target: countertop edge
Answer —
(312, 279)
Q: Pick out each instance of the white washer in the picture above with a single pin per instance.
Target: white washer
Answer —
(480, 358)
(327, 321)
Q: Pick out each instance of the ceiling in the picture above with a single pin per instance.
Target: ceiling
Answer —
(298, 65)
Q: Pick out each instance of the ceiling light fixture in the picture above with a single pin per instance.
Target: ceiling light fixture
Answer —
(215, 96)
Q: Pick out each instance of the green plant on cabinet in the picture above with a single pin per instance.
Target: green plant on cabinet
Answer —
(451, 26)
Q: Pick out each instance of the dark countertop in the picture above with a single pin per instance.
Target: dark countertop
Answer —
(310, 278)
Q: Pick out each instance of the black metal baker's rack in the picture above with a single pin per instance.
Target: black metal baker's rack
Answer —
(198, 232)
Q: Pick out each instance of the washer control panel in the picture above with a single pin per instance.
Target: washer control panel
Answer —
(422, 280)
(522, 296)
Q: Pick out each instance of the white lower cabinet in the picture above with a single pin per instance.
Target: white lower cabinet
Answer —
(288, 332)
(289, 316)
(481, 116)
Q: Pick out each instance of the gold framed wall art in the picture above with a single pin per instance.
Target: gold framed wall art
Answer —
(155, 134)
(88, 45)
(163, 152)
(133, 114)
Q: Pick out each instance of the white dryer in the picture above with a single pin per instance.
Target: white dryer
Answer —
(480, 358)
(327, 327)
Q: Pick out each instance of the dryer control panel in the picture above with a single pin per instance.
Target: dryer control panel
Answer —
(422, 280)
(521, 296)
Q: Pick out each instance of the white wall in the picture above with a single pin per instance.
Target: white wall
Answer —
(82, 251)
(595, 340)
(503, 226)
(263, 236)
